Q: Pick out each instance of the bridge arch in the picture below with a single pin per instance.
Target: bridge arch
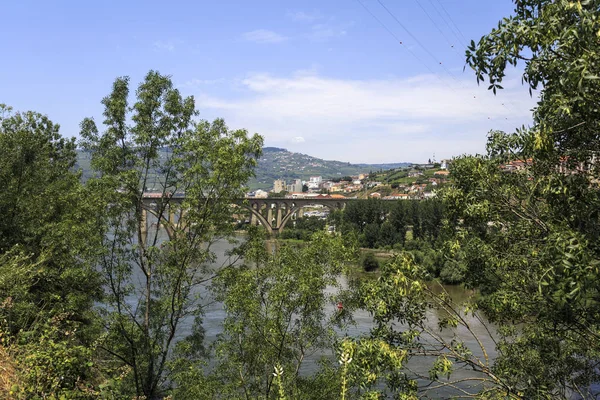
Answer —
(161, 220)
(255, 209)
(272, 213)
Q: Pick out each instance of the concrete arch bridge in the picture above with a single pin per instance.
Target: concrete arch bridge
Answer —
(272, 213)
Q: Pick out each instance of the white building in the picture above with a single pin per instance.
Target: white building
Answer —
(261, 194)
(314, 182)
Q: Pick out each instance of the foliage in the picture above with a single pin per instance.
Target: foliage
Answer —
(369, 262)
(10, 381)
(529, 237)
(385, 223)
(403, 307)
(277, 313)
(48, 243)
(303, 228)
(279, 195)
(151, 283)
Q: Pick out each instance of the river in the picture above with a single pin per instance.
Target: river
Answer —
(214, 316)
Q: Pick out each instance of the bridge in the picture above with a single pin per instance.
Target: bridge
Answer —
(272, 213)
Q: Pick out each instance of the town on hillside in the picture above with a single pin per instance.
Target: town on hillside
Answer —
(416, 182)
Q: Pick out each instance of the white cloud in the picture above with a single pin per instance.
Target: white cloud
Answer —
(298, 139)
(303, 16)
(163, 45)
(263, 36)
(371, 120)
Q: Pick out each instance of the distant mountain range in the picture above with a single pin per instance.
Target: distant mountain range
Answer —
(277, 163)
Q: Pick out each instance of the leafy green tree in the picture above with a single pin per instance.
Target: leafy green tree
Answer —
(370, 236)
(399, 219)
(277, 313)
(151, 282)
(530, 234)
(280, 195)
(360, 213)
(416, 220)
(387, 234)
(303, 228)
(48, 245)
(402, 305)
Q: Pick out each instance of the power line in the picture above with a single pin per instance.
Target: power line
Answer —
(448, 24)
(452, 21)
(409, 32)
(434, 23)
(512, 107)
(396, 37)
(421, 45)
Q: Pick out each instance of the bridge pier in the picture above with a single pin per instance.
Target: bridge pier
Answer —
(144, 226)
(279, 215)
(270, 215)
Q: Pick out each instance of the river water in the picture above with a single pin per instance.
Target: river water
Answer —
(214, 315)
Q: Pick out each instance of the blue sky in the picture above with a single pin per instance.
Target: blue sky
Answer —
(325, 78)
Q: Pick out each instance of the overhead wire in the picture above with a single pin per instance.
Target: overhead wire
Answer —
(508, 104)
(463, 44)
(399, 41)
(417, 40)
(452, 21)
(452, 45)
(450, 74)
(397, 38)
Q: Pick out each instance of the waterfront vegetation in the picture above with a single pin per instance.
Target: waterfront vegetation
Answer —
(94, 305)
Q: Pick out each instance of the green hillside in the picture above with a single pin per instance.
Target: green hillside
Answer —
(277, 163)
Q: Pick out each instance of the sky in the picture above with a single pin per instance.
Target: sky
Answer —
(363, 81)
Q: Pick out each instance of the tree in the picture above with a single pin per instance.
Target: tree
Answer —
(530, 236)
(48, 243)
(278, 313)
(279, 195)
(399, 220)
(198, 167)
(416, 219)
(370, 236)
(387, 234)
(402, 305)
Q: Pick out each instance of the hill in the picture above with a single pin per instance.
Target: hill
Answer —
(277, 163)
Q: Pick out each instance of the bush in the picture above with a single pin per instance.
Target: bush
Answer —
(370, 263)
(453, 272)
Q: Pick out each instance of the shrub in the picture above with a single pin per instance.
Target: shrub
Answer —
(453, 272)
(370, 263)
